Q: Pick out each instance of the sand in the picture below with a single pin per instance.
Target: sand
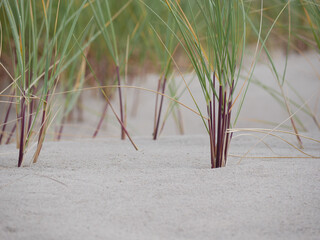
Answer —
(104, 189)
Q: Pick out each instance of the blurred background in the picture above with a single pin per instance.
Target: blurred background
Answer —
(72, 49)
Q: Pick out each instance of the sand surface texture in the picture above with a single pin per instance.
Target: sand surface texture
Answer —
(104, 189)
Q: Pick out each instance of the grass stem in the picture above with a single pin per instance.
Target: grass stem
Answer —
(155, 134)
(22, 139)
(101, 121)
(123, 135)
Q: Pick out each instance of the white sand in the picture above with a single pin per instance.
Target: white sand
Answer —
(104, 189)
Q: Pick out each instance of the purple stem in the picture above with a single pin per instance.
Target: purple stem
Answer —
(219, 128)
(21, 149)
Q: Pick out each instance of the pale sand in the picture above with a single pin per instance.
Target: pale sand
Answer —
(104, 189)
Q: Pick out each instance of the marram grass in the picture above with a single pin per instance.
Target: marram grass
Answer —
(49, 46)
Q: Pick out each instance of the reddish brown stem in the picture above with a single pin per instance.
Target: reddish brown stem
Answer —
(121, 123)
(214, 114)
(123, 135)
(156, 108)
(60, 130)
(155, 135)
(11, 134)
(101, 120)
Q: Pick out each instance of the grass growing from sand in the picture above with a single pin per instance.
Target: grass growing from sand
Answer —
(214, 53)
(67, 46)
(36, 75)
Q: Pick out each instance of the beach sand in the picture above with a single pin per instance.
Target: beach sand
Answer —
(104, 189)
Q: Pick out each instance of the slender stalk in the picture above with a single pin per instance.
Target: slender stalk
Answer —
(155, 135)
(42, 131)
(292, 121)
(107, 99)
(11, 134)
(316, 121)
(121, 123)
(180, 120)
(211, 127)
(219, 127)
(228, 135)
(101, 121)
(223, 130)
(214, 114)
(30, 117)
(22, 142)
(156, 108)
(59, 135)
(123, 135)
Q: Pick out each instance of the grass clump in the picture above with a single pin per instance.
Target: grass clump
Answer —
(214, 34)
(42, 45)
(49, 45)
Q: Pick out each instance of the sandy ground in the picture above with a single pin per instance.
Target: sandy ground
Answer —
(104, 189)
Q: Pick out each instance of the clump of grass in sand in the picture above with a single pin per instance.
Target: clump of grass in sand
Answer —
(213, 36)
(42, 43)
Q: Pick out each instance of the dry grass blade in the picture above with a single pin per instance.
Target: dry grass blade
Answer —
(273, 130)
(134, 87)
